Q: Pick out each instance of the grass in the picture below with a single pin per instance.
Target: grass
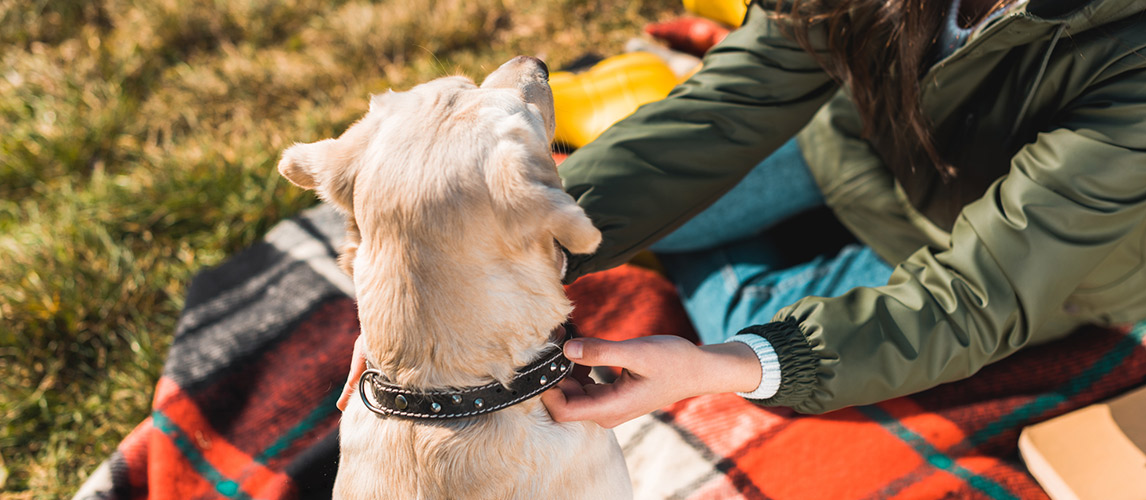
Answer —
(139, 144)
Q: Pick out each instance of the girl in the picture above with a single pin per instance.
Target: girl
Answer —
(990, 159)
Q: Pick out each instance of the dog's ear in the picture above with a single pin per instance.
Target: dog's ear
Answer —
(301, 162)
(525, 187)
(322, 166)
(569, 224)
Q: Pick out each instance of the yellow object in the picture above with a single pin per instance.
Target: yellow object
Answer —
(730, 12)
(585, 104)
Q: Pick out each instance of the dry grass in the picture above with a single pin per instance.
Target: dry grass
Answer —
(139, 145)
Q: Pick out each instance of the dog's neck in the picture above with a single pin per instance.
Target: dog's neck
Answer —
(433, 320)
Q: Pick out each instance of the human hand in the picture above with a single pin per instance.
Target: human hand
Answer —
(657, 371)
(357, 366)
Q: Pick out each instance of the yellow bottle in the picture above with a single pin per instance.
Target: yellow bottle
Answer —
(730, 12)
(587, 103)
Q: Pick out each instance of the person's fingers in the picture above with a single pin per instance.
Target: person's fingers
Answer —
(584, 401)
(357, 366)
(601, 403)
(606, 404)
(572, 386)
(554, 399)
(597, 390)
(581, 374)
(597, 352)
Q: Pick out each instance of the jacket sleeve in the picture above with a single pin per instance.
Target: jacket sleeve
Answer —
(652, 171)
(1017, 255)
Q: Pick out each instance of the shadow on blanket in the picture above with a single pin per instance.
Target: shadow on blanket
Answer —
(245, 407)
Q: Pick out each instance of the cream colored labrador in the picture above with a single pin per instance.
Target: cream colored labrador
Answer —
(454, 205)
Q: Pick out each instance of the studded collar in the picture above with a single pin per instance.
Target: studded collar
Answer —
(388, 400)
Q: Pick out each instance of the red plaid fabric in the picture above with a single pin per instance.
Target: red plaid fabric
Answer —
(245, 408)
(955, 441)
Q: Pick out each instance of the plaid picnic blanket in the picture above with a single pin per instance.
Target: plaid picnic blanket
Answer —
(245, 406)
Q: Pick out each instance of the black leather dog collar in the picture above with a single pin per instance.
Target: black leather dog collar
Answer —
(533, 379)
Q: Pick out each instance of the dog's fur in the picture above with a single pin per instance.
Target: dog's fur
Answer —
(454, 203)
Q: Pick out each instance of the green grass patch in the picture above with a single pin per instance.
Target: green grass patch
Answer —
(139, 146)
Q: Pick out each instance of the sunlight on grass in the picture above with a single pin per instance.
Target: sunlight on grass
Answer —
(140, 141)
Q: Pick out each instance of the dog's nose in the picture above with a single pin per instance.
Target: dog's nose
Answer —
(544, 67)
(540, 64)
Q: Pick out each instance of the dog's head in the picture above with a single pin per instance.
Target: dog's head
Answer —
(445, 145)
(450, 187)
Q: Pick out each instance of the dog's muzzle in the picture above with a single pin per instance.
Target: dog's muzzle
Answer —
(531, 380)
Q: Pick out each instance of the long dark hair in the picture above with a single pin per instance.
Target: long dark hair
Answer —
(879, 49)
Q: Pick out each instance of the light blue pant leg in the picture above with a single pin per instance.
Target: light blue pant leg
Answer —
(734, 286)
(732, 275)
(757, 302)
(777, 188)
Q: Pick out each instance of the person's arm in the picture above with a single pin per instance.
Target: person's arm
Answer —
(650, 172)
(658, 370)
(1017, 255)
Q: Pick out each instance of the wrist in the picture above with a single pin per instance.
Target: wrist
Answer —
(730, 367)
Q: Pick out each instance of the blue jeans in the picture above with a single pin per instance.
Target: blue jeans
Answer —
(735, 265)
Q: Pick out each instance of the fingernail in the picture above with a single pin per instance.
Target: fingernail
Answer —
(573, 349)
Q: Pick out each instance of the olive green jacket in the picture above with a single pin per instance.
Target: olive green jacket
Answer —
(1043, 110)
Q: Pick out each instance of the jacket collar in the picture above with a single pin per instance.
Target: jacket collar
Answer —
(1028, 20)
(1083, 15)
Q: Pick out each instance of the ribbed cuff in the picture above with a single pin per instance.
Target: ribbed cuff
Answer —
(797, 361)
(769, 366)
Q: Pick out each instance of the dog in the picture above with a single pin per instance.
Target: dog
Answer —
(455, 212)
